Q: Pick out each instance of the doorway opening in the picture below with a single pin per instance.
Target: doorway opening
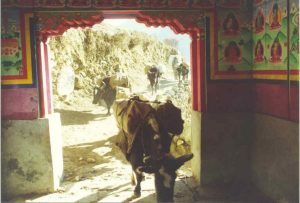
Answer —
(80, 58)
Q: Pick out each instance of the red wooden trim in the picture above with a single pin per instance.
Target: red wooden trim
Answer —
(274, 72)
(202, 77)
(196, 72)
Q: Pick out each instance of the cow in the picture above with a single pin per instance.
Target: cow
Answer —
(182, 72)
(139, 135)
(109, 89)
(153, 75)
(175, 61)
(145, 140)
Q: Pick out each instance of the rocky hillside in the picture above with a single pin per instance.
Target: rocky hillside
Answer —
(103, 50)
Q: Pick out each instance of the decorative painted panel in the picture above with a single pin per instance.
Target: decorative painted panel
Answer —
(270, 40)
(113, 4)
(16, 60)
(256, 47)
(234, 41)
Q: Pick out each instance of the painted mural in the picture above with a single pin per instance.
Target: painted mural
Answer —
(234, 38)
(257, 47)
(270, 36)
(11, 48)
(16, 61)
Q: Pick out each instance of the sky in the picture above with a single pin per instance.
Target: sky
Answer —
(159, 32)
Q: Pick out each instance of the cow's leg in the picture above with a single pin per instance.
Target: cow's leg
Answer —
(108, 111)
(136, 160)
(138, 178)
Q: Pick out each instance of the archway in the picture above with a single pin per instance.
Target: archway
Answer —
(51, 24)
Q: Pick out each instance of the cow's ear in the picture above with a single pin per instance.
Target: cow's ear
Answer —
(178, 162)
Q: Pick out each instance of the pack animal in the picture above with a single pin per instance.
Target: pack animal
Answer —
(105, 92)
(108, 89)
(175, 61)
(147, 146)
(153, 75)
(182, 72)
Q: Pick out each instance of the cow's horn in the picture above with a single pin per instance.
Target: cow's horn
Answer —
(180, 160)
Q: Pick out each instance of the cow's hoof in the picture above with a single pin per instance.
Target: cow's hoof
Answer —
(136, 195)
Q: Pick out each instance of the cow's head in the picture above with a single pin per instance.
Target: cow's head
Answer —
(153, 139)
(170, 118)
(165, 174)
(98, 93)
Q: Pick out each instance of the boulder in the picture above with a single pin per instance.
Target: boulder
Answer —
(65, 81)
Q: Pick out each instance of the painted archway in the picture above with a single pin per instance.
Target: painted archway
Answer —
(181, 22)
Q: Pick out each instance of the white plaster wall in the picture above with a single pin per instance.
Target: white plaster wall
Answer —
(31, 156)
(196, 144)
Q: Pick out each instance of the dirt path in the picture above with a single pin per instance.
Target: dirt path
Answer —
(94, 168)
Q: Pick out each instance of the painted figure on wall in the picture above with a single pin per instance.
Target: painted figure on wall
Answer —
(259, 21)
(231, 25)
(275, 17)
(295, 40)
(232, 53)
(276, 51)
(259, 52)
